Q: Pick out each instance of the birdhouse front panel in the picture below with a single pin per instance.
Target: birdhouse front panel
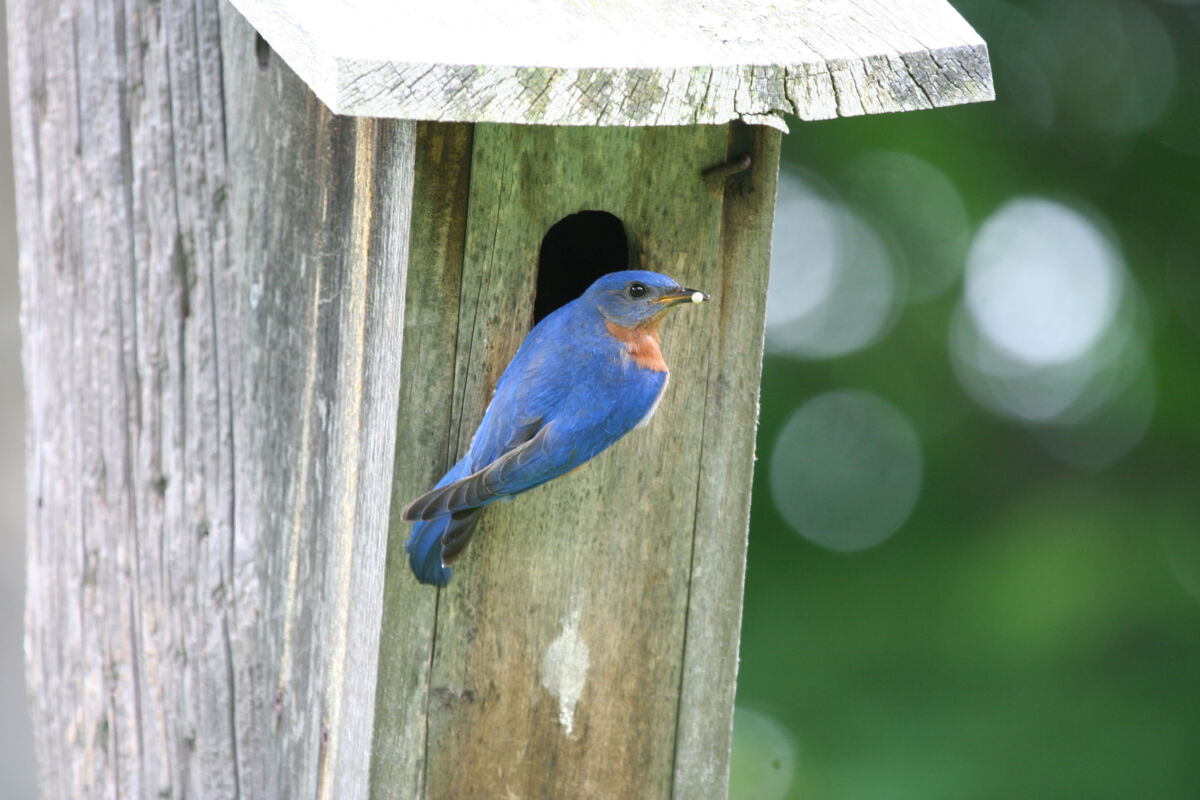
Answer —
(586, 582)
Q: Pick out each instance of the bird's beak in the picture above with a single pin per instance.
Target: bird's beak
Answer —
(683, 296)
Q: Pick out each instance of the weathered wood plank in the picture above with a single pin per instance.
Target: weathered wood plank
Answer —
(729, 421)
(320, 246)
(660, 62)
(424, 450)
(212, 271)
(132, 563)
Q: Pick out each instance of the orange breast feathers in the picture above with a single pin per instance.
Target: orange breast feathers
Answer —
(641, 343)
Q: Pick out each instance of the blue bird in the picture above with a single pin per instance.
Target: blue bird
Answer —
(585, 376)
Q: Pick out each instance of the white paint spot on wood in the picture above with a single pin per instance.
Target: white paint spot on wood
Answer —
(565, 668)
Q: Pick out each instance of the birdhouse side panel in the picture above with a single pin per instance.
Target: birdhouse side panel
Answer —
(319, 226)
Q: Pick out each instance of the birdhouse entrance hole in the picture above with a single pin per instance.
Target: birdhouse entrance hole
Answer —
(577, 250)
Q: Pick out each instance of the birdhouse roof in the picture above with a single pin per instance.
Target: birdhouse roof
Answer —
(626, 62)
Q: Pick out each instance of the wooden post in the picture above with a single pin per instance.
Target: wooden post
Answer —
(212, 270)
(251, 325)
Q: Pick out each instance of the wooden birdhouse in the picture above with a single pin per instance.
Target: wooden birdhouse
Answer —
(274, 260)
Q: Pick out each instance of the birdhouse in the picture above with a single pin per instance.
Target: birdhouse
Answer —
(314, 237)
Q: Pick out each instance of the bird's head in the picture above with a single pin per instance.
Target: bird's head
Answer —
(636, 298)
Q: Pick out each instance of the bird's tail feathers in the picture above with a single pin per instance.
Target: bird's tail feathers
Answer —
(424, 548)
(458, 533)
(436, 543)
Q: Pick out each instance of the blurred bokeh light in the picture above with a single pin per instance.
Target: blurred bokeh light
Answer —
(931, 234)
(1043, 284)
(834, 287)
(1052, 332)
(763, 757)
(1075, 67)
(846, 470)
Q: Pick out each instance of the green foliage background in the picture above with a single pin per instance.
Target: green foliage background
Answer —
(1033, 631)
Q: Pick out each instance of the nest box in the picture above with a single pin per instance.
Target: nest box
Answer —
(340, 223)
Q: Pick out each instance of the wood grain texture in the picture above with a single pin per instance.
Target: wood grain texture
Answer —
(560, 655)
(705, 724)
(657, 62)
(138, 623)
(424, 450)
(212, 271)
(321, 219)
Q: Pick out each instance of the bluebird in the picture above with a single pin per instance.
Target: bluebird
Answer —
(585, 376)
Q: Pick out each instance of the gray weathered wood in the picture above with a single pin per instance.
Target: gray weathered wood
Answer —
(212, 271)
(714, 617)
(559, 658)
(657, 62)
(424, 448)
(320, 247)
(135, 576)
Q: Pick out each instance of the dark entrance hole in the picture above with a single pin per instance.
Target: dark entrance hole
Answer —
(577, 250)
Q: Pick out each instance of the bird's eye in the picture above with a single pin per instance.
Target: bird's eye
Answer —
(637, 289)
